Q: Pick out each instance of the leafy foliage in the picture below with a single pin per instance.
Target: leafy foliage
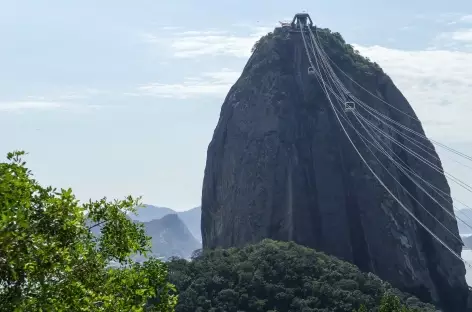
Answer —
(51, 261)
(276, 276)
(262, 41)
(390, 303)
(342, 53)
(347, 57)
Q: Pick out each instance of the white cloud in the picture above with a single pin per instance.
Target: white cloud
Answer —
(55, 99)
(444, 18)
(28, 105)
(459, 39)
(170, 27)
(196, 43)
(466, 19)
(462, 35)
(201, 33)
(438, 84)
(207, 84)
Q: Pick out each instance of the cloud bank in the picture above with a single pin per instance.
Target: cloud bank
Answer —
(206, 84)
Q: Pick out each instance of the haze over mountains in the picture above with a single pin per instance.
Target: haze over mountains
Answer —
(191, 217)
(178, 234)
(170, 237)
(173, 234)
(466, 216)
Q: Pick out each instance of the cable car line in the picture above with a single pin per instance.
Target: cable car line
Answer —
(320, 79)
(421, 158)
(329, 60)
(365, 141)
(337, 81)
(402, 169)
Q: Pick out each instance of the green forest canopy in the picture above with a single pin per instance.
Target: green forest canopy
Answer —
(277, 276)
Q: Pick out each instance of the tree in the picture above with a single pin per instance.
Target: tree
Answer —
(391, 303)
(51, 261)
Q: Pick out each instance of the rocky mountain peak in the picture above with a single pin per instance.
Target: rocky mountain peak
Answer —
(279, 166)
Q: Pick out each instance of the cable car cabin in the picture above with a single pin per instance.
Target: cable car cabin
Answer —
(349, 106)
(311, 71)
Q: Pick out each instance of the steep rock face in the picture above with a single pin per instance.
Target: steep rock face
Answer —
(280, 167)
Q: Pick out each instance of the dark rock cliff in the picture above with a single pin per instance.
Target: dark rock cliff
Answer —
(280, 167)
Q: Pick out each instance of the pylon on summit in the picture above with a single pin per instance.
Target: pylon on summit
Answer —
(300, 20)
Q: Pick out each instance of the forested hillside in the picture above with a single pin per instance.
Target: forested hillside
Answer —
(275, 276)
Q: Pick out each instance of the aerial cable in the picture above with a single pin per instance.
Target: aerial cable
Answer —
(426, 182)
(410, 151)
(371, 110)
(375, 96)
(390, 192)
(363, 88)
(463, 184)
(403, 168)
(415, 182)
(382, 150)
(416, 142)
(365, 141)
(418, 156)
(373, 172)
(435, 189)
(315, 50)
(306, 47)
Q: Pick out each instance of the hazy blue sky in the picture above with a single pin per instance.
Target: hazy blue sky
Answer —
(121, 97)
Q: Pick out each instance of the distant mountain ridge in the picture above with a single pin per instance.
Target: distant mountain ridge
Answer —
(170, 236)
(467, 242)
(191, 217)
(466, 216)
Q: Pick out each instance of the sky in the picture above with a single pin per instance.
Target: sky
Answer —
(113, 98)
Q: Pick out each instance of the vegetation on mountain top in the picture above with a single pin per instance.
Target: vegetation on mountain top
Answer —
(276, 276)
(343, 54)
(51, 261)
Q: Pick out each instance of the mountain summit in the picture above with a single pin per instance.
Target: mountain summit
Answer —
(280, 166)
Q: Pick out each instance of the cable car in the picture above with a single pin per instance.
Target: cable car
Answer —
(349, 106)
(311, 71)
